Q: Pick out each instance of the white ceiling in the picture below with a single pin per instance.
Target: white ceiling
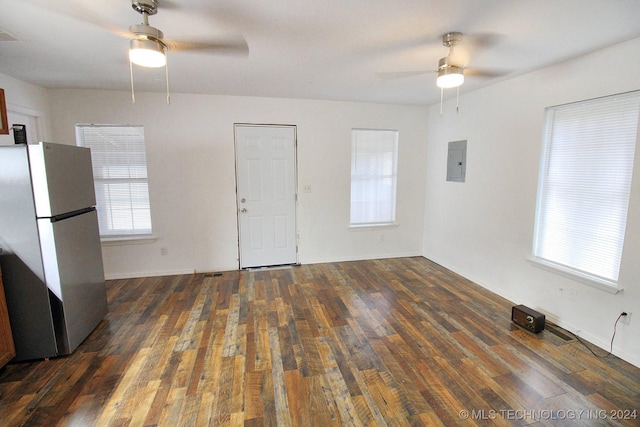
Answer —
(317, 49)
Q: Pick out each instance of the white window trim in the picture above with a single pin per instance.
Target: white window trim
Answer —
(582, 277)
(372, 225)
(138, 239)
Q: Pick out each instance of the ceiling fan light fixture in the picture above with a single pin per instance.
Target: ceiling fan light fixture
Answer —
(449, 76)
(147, 53)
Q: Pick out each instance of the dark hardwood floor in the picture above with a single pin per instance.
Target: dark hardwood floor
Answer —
(385, 342)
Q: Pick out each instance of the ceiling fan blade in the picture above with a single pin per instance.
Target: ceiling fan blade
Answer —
(403, 74)
(168, 5)
(235, 45)
(472, 45)
(482, 40)
(483, 72)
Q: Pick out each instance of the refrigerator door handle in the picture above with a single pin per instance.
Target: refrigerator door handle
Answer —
(67, 215)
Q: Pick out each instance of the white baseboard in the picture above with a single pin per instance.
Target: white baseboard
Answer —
(324, 260)
(135, 275)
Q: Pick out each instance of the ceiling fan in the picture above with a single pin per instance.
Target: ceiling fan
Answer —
(457, 60)
(452, 68)
(148, 47)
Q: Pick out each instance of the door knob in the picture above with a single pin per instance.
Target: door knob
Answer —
(243, 200)
(243, 210)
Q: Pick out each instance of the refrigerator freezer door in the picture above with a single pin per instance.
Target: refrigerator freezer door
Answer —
(62, 178)
(72, 258)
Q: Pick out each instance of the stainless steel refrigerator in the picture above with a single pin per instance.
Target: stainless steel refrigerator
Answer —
(50, 249)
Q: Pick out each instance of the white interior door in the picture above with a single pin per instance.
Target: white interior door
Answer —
(266, 179)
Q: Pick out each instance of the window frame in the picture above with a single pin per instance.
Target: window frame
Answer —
(139, 179)
(625, 150)
(393, 176)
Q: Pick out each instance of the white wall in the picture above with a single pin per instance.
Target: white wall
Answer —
(191, 166)
(27, 99)
(483, 228)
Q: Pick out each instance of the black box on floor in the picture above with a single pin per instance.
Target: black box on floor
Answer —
(527, 318)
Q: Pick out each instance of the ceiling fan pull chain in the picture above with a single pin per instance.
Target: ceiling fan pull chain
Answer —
(133, 95)
(441, 94)
(458, 100)
(166, 77)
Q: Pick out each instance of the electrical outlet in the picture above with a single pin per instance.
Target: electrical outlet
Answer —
(626, 319)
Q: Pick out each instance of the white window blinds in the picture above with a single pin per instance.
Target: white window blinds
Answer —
(373, 176)
(584, 186)
(120, 177)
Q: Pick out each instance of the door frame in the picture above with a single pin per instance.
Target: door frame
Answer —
(295, 182)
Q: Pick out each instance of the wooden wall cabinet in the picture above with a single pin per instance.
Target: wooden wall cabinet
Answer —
(7, 350)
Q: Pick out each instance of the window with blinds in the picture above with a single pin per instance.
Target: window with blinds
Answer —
(584, 186)
(120, 177)
(374, 156)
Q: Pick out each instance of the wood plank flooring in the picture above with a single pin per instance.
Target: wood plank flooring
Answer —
(397, 342)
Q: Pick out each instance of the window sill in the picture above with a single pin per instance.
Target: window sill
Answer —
(128, 240)
(592, 281)
(364, 227)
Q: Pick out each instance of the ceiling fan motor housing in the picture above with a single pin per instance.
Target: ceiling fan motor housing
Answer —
(146, 31)
(445, 65)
